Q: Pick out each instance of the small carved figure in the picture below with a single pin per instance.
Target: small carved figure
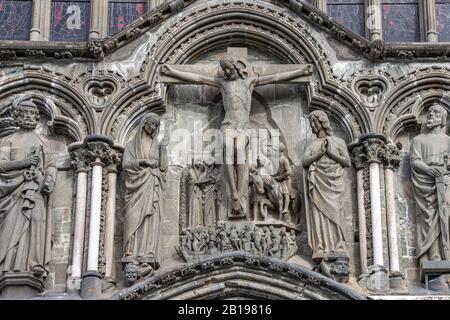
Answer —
(234, 238)
(260, 203)
(283, 177)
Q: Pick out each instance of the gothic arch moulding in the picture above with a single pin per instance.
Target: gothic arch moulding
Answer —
(239, 275)
(67, 110)
(205, 27)
(411, 94)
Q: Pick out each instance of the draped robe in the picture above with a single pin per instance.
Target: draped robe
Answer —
(325, 180)
(143, 197)
(431, 219)
(23, 209)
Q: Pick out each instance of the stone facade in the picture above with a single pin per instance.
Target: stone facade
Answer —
(93, 99)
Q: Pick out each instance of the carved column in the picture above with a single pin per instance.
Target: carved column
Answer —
(99, 150)
(80, 165)
(40, 24)
(428, 20)
(373, 147)
(113, 163)
(359, 161)
(391, 163)
(374, 19)
(99, 19)
(321, 5)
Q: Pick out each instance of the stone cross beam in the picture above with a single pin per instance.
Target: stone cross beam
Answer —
(239, 54)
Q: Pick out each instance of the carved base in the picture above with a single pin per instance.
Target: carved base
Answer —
(91, 285)
(73, 285)
(397, 283)
(378, 281)
(20, 285)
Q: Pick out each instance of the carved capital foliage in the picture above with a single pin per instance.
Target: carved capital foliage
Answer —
(359, 158)
(109, 156)
(79, 160)
(374, 150)
(391, 157)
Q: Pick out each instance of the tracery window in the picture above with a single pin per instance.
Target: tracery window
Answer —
(15, 19)
(443, 20)
(401, 20)
(349, 13)
(122, 12)
(70, 20)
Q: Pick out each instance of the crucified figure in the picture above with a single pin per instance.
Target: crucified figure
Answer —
(236, 86)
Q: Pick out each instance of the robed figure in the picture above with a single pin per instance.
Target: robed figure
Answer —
(144, 164)
(429, 151)
(203, 195)
(325, 159)
(27, 177)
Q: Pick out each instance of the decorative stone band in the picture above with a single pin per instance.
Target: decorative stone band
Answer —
(97, 49)
(271, 277)
(269, 240)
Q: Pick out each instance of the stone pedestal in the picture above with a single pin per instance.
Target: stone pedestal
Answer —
(91, 285)
(397, 283)
(20, 285)
(378, 280)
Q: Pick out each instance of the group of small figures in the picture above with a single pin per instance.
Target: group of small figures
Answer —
(199, 241)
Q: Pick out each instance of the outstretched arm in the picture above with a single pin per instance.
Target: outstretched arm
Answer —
(188, 76)
(304, 70)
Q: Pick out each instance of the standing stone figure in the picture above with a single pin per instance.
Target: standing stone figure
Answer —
(428, 152)
(325, 159)
(202, 195)
(27, 177)
(283, 177)
(144, 164)
(236, 86)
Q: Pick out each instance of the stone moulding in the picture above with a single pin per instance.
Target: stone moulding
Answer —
(98, 49)
(275, 279)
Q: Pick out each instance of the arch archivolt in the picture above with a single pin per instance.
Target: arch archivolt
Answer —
(409, 97)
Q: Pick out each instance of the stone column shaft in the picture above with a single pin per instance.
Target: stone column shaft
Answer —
(153, 3)
(321, 5)
(80, 217)
(428, 20)
(96, 205)
(374, 19)
(40, 24)
(110, 222)
(375, 206)
(361, 221)
(391, 221)
(99, 19)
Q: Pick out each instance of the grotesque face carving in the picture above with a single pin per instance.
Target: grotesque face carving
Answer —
(26, 115)
(340, 267)
(131, 273)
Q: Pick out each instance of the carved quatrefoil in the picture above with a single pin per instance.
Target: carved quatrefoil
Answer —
(100, 90)
(371, 90)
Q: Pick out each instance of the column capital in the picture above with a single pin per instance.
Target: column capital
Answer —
(78, 160)
(96, 150)
(358, 157)
(391, 157)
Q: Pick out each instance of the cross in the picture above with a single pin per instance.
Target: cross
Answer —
(236, 78)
